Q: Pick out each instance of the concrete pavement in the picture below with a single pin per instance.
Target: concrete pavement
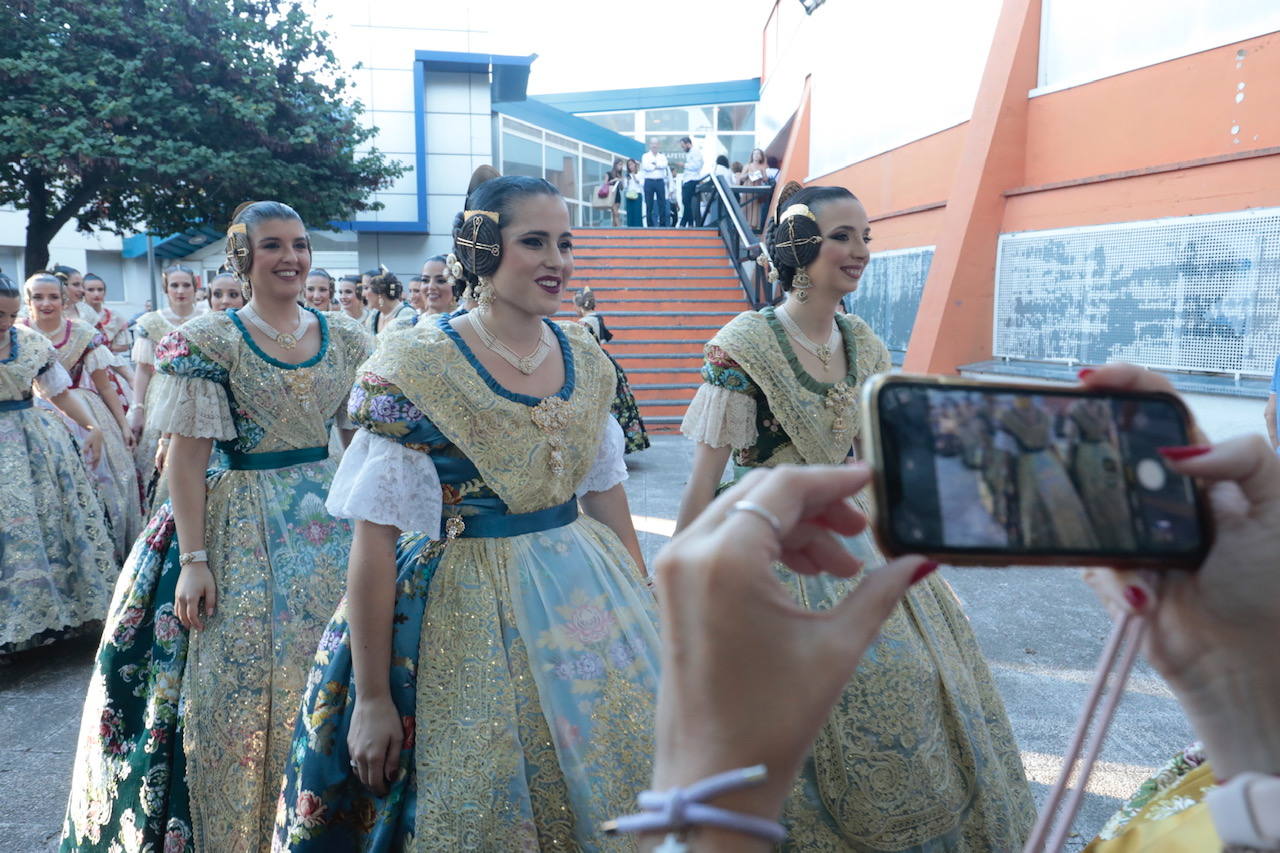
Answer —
(1041, 630)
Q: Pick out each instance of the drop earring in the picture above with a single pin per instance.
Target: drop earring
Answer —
(485, 298)
(800, 284)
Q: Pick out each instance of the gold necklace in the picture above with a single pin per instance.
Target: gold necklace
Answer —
(284, 340)
(526, 364)
(820, 351)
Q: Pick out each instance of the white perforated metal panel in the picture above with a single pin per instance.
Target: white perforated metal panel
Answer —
(1195, 293)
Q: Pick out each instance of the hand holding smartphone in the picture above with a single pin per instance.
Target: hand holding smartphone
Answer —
(982, 473)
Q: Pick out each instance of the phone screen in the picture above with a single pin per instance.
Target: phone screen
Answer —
(1055, 472)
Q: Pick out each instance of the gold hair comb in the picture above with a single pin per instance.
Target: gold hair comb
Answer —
(467, 214)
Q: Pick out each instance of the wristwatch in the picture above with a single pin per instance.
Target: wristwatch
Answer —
(200, 556)
(1246, 811)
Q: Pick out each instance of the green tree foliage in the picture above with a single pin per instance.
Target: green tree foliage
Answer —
(162, 113)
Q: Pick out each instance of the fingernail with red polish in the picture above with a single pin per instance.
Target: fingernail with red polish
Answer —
(1136, 596)
(1085, 373)
(923, 571)
(1177, 454)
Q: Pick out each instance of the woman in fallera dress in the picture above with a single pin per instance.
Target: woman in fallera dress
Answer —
(57, 564)
(319, 291)
(386, 304)
(439, 289)
(225, 292)
(75, 307)
(918, 754)
(625, 409)
(83, 353)
(114, 327)
(152, 391)
(489, 681)
(216, 617)
(349, 298)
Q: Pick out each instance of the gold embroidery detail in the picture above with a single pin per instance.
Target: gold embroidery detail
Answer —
(840, 399)
(498, 434)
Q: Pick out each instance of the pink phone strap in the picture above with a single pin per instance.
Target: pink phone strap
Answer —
(1125, 639)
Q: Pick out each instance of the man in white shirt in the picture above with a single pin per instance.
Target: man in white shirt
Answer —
(654, 170)
(688, 190)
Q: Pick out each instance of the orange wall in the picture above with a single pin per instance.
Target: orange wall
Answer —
(1176, 111)
(918, 173)
(1179, 110)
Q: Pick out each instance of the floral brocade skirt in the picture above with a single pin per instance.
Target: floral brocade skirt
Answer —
(626, 412)
(184, 736)
(57, 566)
(525, 671)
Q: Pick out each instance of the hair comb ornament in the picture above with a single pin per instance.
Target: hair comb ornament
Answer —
(473, 243)
(797, 210)
(488, 214)
(453, 266)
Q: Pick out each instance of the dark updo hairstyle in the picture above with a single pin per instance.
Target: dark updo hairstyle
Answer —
(801, 237)
(93, 276)
(385, 283)
(63, 272)
(477, 238)
(246, 217)
(8, 287)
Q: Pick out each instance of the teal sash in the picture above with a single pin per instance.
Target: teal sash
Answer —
(237, 461)
(16, 405)
(503, 525)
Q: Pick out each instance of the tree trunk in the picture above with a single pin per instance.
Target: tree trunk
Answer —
(36, 253)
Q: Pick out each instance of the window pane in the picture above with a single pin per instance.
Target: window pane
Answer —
(562, 141)
(110, 268)
(562, 170)
(617, 122)
(521, 156)
(666, 121)
(738, 117)
(737, 147)
(593, 174)
(512, 124)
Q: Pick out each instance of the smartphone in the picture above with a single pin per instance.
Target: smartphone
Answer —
(982, 473)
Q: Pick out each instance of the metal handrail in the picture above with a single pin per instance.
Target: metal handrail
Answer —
(737, 234)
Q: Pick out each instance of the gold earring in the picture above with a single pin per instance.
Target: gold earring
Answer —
(800, 284)
(485, 298)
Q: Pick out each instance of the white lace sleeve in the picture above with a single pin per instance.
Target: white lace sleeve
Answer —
(610, 468)
(383, 481)
(197, 408)
(53, 381)
(721, 418)
(144, 351)
(98, 358)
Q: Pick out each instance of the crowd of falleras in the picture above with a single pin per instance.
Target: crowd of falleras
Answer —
(370, 581)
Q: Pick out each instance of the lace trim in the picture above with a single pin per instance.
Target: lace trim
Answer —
(610, 467)
(385, 482)
(719, 417)
(53, 381)
(197, 408)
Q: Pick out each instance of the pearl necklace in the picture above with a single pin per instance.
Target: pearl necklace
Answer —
(284, 340)
(822, 352)
(526, 364)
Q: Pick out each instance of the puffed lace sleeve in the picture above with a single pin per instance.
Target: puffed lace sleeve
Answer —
(610, 467)
(144, 350)
(98, 357)
(53, 379)
(723, 411)
(198, 406)
(385, 482)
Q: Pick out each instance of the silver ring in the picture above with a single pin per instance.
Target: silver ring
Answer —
(755, 509)
(353, 764)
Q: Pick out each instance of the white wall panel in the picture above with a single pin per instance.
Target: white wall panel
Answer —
(1083, 40)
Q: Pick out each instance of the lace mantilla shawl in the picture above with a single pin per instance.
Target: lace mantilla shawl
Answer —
(801, 407)
(275, 407)
(35, 356)
(497, 433)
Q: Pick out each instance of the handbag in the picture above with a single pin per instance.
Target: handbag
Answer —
(603, 192)
(604, 196)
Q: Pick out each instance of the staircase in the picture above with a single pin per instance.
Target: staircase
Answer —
(663, 293)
